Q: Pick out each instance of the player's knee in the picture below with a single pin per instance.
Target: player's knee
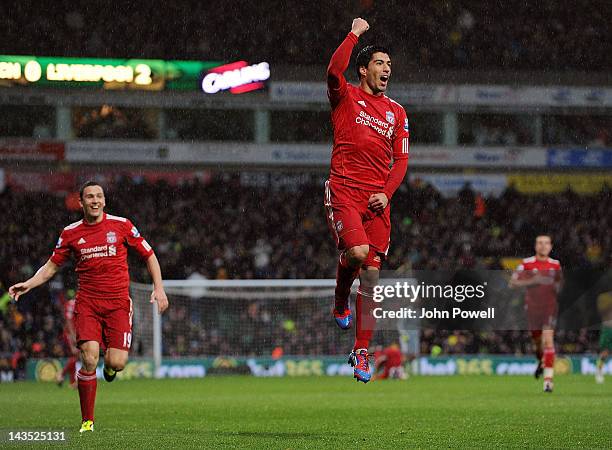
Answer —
(370, 277)
(357, 255)
(89, 360)
(118, 362)
(118, 366)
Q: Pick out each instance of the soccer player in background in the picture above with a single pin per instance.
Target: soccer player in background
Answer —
(370, 132)
(390, 363)
(541, 276)
(69, 340)
(604, 305)
(103, 310)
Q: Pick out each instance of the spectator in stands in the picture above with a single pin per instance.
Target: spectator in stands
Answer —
(547, 35)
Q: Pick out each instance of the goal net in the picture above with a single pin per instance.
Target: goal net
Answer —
(239, 318)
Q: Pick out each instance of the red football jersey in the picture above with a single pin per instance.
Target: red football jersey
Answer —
(101, 254)
(368, 130)
(540, 295)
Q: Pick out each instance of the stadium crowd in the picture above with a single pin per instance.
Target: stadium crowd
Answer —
(263, 225)
(545, 35)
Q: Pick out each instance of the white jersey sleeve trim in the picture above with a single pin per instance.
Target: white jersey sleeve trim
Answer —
(120, 219)
(72, 226)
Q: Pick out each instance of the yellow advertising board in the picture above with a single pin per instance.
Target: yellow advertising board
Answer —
(551, 183)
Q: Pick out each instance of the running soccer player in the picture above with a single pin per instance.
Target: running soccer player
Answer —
(103, 310)
(541, 276)
(604, 305)
(370, 133)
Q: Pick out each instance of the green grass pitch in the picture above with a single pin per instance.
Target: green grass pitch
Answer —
(322, 412)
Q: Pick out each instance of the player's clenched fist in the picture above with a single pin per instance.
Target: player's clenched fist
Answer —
(359, 26)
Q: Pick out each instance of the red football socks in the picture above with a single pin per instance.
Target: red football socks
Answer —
(364, 319)
(87, 393)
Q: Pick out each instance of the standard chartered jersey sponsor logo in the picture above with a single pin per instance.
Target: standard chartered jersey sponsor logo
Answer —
(380, 126)
(371, 119)
(99, 251)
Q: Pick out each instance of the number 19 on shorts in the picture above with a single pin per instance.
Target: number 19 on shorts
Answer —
(127, 339)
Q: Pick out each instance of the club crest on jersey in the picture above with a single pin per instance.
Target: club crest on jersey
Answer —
(135, 232)
(111, 237)
(390, 117)
(406, 125)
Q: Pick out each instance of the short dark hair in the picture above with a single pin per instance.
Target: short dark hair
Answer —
(548, 235)
(365, 56)
(86, 185)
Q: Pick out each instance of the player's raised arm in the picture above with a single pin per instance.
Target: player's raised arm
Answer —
(44, 274)
(336, 83)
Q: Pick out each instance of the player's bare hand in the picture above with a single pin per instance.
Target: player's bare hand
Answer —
(17, 290)
(378, 202)
(359, 26)
(159, 296)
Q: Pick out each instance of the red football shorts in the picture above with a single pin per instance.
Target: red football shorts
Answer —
(107, 321)
(541, 317)
(352, 223)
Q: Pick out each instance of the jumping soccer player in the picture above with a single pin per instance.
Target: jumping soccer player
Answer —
(103, 310)
(370, 132)
(541, 276)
